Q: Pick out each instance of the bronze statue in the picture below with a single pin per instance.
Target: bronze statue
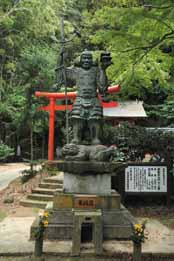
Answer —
(87, 111)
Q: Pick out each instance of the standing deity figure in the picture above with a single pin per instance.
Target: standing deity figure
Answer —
(87, 111)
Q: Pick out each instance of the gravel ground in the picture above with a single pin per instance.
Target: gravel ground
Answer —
(14, 238)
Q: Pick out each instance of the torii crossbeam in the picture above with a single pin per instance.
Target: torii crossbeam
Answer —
(52, 107)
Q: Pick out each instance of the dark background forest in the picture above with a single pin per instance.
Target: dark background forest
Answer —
(139, 34)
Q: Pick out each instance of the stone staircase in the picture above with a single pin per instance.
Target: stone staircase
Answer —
(41, 195)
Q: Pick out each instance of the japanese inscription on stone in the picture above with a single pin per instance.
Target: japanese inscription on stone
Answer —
(85, 202)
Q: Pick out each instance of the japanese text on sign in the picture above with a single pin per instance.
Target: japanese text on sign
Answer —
(146, 179)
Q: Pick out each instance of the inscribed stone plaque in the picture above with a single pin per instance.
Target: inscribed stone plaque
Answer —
(86, 202)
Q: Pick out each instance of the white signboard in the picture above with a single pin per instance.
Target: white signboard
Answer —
(146, 179)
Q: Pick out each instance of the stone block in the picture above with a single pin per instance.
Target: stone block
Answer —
(110, 201)
(97, 201)
(59, 231)
(63, 201)
(93, 217)
(116, 217)
(81, 167)
(84, 201)
(61, 216)
(87, 184)
(117, 232)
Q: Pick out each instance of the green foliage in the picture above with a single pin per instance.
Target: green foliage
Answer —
(135, 141)
(8, 200)
(27, 174)
(5, 151)
(125, 135)
(2, 215)
(139, 36)
(36, 66)
(119, 155)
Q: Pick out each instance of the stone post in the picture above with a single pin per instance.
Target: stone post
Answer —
(137, 248)
(76, 236)
(98, 236)
(38, 248)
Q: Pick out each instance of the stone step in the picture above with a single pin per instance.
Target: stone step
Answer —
(53, 180)
(40, 197)
(33, 203)
(46, 191)
(50, 185)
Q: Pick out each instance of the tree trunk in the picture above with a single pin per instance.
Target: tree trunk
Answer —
(31, 146)
(43, 146)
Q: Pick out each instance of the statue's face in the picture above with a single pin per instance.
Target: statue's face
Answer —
(86, 61)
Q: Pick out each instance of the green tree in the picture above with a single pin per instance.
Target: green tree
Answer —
(5, 151)
(140, 37)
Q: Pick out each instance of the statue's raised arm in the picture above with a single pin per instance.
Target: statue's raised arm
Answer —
(105, 62)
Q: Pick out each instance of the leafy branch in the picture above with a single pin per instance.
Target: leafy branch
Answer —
(152, 45)
(150, 6)
(14, 9)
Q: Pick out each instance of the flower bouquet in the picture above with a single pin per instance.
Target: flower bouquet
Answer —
(138, 233)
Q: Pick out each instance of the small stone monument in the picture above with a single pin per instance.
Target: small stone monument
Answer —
(87, 210)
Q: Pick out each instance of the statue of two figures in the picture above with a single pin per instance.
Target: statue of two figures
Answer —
(87, 111)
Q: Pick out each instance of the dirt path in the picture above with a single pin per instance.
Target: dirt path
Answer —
(9, 172)
(16, 190)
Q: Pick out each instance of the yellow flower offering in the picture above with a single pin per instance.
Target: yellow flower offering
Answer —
(45, 223)
(45, 214)
(138, 228)
(138, 235)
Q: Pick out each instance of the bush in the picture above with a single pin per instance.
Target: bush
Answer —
(5, 151)
(27, 174)
(8, 200)
(136, 140)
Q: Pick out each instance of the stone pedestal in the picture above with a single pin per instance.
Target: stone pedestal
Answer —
(87, 177)
(87, 200)
(87, 184)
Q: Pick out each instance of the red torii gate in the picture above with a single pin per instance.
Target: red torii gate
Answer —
(52, 107)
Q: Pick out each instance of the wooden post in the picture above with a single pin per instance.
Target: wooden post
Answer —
(122, 184)
(51, 131)
(38, 248)
(169, 182)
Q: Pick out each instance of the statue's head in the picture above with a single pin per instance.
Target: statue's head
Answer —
(86, 60)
